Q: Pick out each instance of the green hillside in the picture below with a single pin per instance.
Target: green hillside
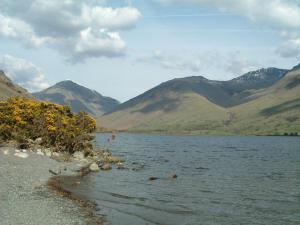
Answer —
(255, 103)
(276, 110)
(181, 112)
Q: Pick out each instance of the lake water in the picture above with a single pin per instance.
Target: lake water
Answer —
(221, 181)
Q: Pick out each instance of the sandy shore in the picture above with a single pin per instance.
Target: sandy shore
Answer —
(26, 199)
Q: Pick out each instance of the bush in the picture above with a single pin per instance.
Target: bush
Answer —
(59, 128)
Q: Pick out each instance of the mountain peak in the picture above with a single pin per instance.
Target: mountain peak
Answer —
(263, 74)
(78, 97)
(66, 83)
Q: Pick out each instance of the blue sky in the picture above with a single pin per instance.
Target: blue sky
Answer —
(123, 48)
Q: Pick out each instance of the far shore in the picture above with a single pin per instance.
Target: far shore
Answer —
(194, 133)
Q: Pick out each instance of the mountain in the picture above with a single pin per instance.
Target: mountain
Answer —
(79, 98)
(9, 89)
(274, 110)
(196, 104)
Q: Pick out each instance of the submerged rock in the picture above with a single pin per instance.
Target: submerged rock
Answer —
(174, 176)
(153, 178)
(94, 167)
(120, 166)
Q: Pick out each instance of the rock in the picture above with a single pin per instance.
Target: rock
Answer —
(106, 154)
(48, 152)
(153, 178)
(17, 151)
(38, 141)
(54, 172)
(6, 152)
(21, 155)
(24, 150)
(39, 152)
(106, 166)
(55, 154)
(174, 176)
(78, 155)
(30, 141)
(120, 166)
(94, 167)
(24, 145)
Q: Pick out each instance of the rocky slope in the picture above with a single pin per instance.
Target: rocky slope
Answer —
(9, 89)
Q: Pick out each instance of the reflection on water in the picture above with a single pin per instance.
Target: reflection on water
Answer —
(221, 180)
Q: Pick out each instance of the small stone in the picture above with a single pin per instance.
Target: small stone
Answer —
(17, 151)
(106, 166)
(21, 155)
(6, 152)
(94, 167)
(30, 141)
(174, 176)
(48, 152)
(38, 141)
(39, 152)
(120, 166)
(78, 155)
(55, 154)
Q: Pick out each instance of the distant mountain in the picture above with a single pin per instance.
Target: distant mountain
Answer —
(9, 89)
(258, 79)
(79, 98)
(273, 110)
(196, 104)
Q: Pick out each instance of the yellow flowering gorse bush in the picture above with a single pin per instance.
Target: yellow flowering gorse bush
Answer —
(59, 128)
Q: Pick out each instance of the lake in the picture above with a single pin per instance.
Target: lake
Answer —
(221, 180)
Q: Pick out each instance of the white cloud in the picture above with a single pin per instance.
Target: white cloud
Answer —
(194, 64)
(67, 25)
(23, 73)
(93, 43)
(17, 29)
(277, 13)
(109, 18)
(290, 48)
(233, 63)
(237, 64)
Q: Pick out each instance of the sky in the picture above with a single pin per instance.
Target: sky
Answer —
(122, 48)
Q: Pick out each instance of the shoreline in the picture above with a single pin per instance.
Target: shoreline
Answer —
(55, 183)
(217, 134)
(31, 194)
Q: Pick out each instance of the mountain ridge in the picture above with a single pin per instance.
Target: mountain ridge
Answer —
(9, 89)
(197, 104)
(78, 97)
